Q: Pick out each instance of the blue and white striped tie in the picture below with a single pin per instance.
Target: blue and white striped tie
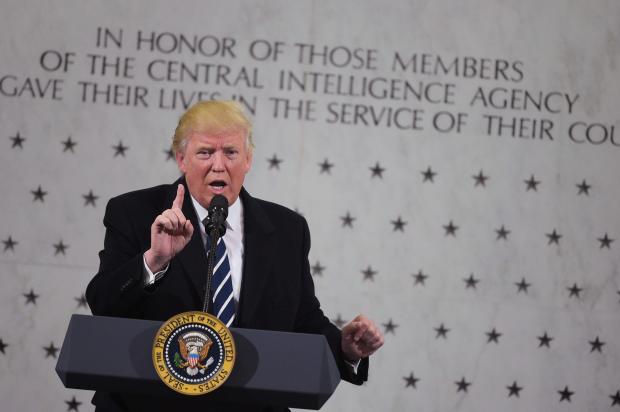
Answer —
(221, 285)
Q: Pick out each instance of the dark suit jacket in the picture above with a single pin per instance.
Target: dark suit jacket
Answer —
(277, 291)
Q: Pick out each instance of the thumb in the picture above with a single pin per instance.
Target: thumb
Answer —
(350, 329)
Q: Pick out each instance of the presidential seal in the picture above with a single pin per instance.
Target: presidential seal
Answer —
(193, 353)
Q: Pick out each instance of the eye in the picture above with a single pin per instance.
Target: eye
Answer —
(231, 153)
(204, 153)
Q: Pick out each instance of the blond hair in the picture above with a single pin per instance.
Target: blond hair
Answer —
(212, 116)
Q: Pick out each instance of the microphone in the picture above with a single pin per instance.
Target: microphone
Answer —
(218, 211)
(215, 228)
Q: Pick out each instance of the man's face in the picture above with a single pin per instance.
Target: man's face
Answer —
(215, 163)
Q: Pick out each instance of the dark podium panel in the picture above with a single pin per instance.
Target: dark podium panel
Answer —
(271, 368)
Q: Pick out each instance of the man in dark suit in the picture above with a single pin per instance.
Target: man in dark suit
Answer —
(153, 264)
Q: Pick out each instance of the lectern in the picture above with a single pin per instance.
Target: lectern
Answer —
(272, 368)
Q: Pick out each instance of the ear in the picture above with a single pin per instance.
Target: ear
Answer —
(180, 157)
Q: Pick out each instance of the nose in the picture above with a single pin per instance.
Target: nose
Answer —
(218, 161)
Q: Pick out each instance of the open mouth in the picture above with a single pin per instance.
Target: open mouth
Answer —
(218, 184)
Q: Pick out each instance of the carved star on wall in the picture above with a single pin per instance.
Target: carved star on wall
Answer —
(522, 285)
(399, 224)
(31, 297)
(583, 188)
(544, 340)
(50, 350)
(471, 281)
(90, 199)
(169, 154)
(9, 244)
(480, 179)
(17, 141)
(428, 175)
(390, 327)
(68, 144)
(596, 344)
(39, 194)
(462, 385)
(326, 167)
(493, 336)
(60, 248)
(369, 273)
(3, 346)
(615, 399)
(606, 241)
(419, 278)
(120, 149)
(531, 184)
(574, 290)
(377, 171)
(347, 220)
(274, 162)
(81, 301)
(502, 233)
(554, 237)
(317, 269)
(73, 404)
(411, 380)
(514, 389)
(565, 394)
(442, 332)
(450, 229)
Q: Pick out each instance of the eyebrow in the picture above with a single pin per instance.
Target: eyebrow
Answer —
(206, 146)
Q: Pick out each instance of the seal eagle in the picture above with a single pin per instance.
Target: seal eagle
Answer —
(194, 348)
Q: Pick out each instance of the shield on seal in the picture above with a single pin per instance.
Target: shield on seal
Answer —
(193, 359)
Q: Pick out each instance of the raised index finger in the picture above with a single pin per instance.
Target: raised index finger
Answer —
(178, 201)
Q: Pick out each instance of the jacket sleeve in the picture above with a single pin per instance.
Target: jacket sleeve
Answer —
(117, 289)
(310, 319)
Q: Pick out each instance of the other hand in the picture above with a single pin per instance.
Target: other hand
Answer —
(360, 338)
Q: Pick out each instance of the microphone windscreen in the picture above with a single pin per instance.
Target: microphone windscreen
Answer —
(219, 202)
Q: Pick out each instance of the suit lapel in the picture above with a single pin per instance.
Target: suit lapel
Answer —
(259, 255)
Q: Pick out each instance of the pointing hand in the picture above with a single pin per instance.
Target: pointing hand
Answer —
(170, 233)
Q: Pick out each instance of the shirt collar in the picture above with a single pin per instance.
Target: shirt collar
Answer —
(235, 213)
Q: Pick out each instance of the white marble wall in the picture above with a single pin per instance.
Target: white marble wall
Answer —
(552, 269)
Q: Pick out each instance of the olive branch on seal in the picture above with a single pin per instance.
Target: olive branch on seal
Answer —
(178, 361)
